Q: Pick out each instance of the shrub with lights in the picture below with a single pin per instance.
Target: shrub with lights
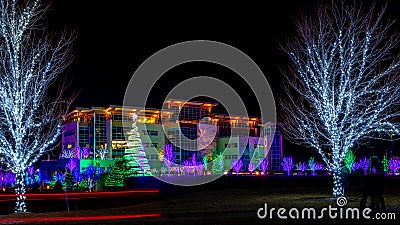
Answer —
(264, 163)
(287, 164)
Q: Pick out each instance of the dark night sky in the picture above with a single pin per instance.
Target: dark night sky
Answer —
(115, 37)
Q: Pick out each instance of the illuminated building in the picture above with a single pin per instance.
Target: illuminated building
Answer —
(96, 128)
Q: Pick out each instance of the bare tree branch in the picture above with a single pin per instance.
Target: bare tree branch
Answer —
(342, 85)
(30, 63)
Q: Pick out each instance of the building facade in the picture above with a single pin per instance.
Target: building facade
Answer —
(191, 128)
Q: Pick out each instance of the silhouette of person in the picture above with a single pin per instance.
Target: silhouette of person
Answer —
(372, 185)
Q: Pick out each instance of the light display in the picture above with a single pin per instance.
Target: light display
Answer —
(302, 166)
(264, 163)
(349, 160)
(394, 165)
(31, 62)
(71, 165)
(311, 165)
(9, 179)
(134, 154)
(385, 164)
(287, 164)
(355, 166)
(218, 165)
(187, 167)
(68, 182)
(205, 163)
(319, 166)
(200, 169)
(85, 153)
(102, 152)
(251, 167)
(31, 170)
(90, 177)
(338, 91)
(237, 165)
(116, 178)
(68, 154)
(364, 163)
(169, 158)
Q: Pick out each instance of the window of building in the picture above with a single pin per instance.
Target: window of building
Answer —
(150, 132)
(190, 113)
(175, 113)
(267, 131)
(231, 145)
(83, 137)
(205, 112)
(118, 133)
(150, 145)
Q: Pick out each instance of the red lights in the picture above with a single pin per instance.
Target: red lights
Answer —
(78, 218)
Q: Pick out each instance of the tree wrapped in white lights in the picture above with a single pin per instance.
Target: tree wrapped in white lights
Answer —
(135, 154)
(342, 85)
(30, 62)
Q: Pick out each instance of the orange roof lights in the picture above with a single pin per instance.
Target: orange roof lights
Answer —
(197, 103)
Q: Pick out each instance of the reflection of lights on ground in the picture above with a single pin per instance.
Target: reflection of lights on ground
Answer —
(77, 218)
(85, 194)
(81, 195)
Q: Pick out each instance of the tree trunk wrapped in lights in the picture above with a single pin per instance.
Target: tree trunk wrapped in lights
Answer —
(30, 63)
(342, 85)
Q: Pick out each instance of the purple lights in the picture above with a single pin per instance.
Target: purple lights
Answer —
(237, 165)
(71, 165)
(264, 163)
(364, 164)
(394, 165)
(169, 157)
(287, 164)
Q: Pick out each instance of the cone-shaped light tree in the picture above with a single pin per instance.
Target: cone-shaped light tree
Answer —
(116, 178)
(343, 84)
(135, 156)
(30, 63)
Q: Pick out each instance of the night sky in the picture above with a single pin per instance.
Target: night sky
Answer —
(115, 37)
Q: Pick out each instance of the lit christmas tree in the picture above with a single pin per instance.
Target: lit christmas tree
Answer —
(68, 183)
(117, 175)
(135, 156)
